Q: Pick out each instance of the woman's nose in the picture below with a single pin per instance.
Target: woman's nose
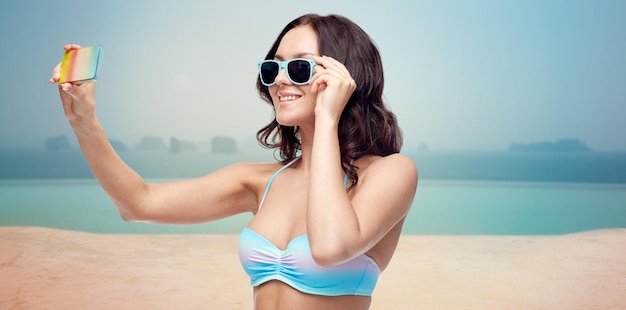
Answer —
(281, 78)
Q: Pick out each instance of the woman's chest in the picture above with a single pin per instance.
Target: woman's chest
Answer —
(281, 215)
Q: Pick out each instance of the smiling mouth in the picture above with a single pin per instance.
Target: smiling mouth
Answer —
(288, 98)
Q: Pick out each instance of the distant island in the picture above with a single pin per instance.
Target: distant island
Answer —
(562, 145)
(217, 145)
(223, 145)
(59, 142)
(151, 143)
(118, 145)
(179, 145)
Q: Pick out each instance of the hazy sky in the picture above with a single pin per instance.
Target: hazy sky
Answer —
(459, 74)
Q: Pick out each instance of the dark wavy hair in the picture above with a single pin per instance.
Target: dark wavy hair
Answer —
(366, 125)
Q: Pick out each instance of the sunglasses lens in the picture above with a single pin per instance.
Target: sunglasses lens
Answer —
(269, 71)
(299, 71)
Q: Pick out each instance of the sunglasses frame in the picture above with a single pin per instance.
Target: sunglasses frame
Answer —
(284, 64)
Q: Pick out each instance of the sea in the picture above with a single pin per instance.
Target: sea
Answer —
(459, 193)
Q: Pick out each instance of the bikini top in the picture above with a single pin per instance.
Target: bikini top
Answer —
(294, 266)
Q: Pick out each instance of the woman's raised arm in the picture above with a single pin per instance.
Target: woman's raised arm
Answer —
(217, 195)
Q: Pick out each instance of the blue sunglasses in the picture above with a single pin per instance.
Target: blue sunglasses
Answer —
(299, 70)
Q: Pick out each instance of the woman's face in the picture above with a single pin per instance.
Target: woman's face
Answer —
(294, 104)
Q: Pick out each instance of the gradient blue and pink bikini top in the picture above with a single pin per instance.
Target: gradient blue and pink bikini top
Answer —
(294, 266)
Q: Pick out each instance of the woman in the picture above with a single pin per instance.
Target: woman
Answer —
(328, 216)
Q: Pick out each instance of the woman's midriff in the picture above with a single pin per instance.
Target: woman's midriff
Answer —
(276, 295)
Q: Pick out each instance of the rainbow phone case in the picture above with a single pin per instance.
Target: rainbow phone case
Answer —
(80, 64)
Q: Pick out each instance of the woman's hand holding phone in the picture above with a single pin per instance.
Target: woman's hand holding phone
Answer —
(78, 97)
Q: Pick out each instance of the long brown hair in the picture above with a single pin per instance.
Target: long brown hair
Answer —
(366, 125)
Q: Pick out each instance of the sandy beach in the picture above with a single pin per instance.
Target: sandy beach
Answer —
(44, 268)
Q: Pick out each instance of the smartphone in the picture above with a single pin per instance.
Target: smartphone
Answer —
(80, 64)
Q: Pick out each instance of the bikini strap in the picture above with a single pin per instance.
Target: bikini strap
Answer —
(345, 178)
(269, 183)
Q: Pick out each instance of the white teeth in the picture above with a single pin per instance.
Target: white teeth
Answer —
(288, 98)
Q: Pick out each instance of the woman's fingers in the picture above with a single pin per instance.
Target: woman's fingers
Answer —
(333, 85)
(332, 64)
(67, 87)
(330, 69)
(56, 74)
(68, 47)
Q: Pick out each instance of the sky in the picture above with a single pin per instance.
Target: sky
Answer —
(460, 75)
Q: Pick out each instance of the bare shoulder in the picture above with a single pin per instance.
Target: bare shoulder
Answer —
(396, 164)
(253, 175)
(252, 172)
(254, 167)
(385, 190)
(240, 184)
(383, 175)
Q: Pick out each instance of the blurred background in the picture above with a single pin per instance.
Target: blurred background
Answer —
(488, 91)
(460, 75)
